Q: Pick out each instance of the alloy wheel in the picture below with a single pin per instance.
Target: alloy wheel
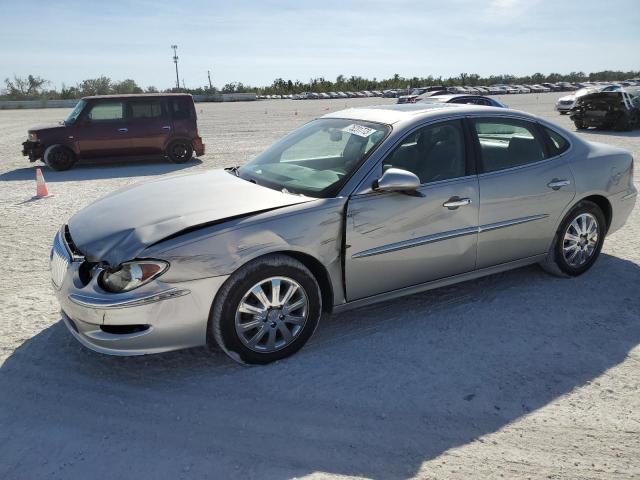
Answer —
(580, 240)
(271, 314)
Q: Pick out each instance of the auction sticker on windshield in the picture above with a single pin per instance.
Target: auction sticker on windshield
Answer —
(359, 130)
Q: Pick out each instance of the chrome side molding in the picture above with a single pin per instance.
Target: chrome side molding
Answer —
(105, 304)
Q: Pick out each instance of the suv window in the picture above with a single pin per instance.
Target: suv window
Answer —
(180, 108)
(105, 111)
(435, 152)
(506, 143)
(559, 144)
(145, 109)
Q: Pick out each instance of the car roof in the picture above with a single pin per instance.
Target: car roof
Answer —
(137, 95)
(391, 114)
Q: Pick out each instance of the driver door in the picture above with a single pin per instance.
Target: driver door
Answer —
(396, 240)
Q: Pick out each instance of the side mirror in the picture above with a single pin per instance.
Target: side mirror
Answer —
(397, 180)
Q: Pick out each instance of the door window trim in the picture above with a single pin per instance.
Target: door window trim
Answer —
(90, 121)
(535, 127)
(470, 157)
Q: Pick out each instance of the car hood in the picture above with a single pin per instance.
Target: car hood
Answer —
(119, 226)
(571, 98)
(47, 126)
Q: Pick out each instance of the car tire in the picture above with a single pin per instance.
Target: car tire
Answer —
(252, 332)
(179, 151)
(579, 125)
(568, 257)
(59, 157)
(622, 123)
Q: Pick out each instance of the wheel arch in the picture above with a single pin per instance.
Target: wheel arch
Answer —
(183, 138)
(314, 265)
(602, 202)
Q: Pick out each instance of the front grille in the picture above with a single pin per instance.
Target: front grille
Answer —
(566, 102)
(59, 261)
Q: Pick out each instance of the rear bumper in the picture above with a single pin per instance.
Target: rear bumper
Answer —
(198, 146)
(33, 150)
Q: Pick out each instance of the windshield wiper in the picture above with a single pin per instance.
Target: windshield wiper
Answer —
(235, 170)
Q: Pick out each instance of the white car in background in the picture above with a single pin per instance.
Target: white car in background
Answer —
(566, 103)
(522, 89)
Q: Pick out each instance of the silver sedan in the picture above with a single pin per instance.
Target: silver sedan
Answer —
(356, 207)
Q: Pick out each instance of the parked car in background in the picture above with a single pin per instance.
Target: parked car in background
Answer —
(566, 103)
(462, 98)
(614, 109)
(251, 258)
(118, 126)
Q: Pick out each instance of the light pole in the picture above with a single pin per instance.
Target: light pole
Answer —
(175, 60)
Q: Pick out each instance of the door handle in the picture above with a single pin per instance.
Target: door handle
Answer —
(166, 127)
(557, 184)
(456, 202)
(123, 130)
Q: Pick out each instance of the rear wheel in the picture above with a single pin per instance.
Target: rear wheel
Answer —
(180, 151)
(59, 157)
(578, 241)
(623, 123)
(266, 311)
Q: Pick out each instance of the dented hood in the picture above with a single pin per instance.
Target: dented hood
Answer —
(119, 226)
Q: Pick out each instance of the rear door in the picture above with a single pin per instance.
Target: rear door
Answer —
(525, 185)
(104, 129)
(149, 125)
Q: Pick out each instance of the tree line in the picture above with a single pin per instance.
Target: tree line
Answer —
(36, 87)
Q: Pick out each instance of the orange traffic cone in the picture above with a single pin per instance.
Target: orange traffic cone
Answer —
(41, 186)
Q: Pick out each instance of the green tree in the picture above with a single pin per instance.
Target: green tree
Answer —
(30, 87)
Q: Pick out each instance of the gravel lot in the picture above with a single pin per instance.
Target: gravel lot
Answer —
(519, 375)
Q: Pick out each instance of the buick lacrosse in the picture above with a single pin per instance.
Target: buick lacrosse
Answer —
(358, 206)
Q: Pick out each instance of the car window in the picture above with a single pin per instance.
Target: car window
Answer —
(558, 142)
(145, 109)
(180, 108)
(435, 152)
(317, 158)
(506, 143)
(105, 111)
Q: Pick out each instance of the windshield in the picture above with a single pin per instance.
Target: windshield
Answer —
(73, 116)
(316, 159)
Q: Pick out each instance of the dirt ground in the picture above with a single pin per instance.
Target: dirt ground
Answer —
(518, 375)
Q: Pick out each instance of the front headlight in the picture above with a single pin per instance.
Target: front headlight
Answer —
(130, 275)
(33, 137)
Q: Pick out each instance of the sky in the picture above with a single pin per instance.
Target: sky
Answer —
(254, 41)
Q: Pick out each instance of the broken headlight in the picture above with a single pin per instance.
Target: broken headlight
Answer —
(130, 275)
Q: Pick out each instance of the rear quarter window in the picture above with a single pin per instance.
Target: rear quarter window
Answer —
(558, 143)
(180, 108)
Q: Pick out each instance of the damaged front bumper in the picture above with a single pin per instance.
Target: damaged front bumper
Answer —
(156, 317)
(32, 149)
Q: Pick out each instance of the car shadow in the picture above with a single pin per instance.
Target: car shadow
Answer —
(377, 392)
(102, 169)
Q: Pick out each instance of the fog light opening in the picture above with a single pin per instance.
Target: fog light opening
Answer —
(124, 329)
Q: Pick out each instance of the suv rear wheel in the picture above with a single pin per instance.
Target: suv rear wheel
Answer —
(180, 151)
(59, 157)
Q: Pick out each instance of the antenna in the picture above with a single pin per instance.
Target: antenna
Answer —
(175, 60)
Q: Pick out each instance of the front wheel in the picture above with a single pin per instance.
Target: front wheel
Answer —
(579, 125)
(266, 310)
(59, 157)
(578, 241)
